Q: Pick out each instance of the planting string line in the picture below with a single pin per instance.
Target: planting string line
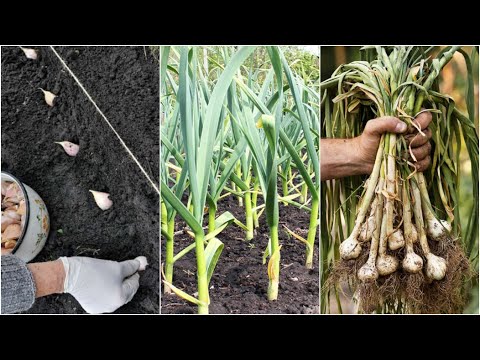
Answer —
(155, 186)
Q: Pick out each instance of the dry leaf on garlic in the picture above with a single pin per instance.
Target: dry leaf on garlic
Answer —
(49, 97)
(70, 148)
(102, 200)
(30, 53)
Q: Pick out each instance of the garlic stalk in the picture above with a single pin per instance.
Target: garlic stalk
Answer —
(412, 262)
(436, 265)
(369, 272)
(351, 247)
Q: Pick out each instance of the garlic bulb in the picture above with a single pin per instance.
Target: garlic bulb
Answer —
(102, 200)
(412, 263)
(70, 148)
(396, 240)
(386, 264)
(437, 229)
(368, 272)
(350, 248)
(436, 267)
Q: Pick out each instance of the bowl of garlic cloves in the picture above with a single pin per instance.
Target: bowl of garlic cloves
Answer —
(25, 220)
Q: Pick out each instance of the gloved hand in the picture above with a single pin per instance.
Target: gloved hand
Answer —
(102, 286)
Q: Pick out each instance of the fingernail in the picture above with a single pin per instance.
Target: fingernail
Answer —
(401, 127)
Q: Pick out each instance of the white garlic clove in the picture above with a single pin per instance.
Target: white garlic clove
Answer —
(368, 272)
(70, 148)
(143, 262)
(22, 208)
(436, 267)
(49, 97)
(350, 249)
(102, 200)
(412, 263)
(30, 53)
(386, 265)
(396, 240)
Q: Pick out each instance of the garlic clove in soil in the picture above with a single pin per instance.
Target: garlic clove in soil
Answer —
(49, 97)
(143, 262)
(102, 200)
(70, 148)
(412, 263)
(350, 249)
(368, 272)
(437, 229)
(436, 267)
(30, 53)
(396, 240)
(386, 264)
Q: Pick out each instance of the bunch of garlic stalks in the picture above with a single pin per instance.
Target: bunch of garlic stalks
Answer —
(396, 222)
(13, 215)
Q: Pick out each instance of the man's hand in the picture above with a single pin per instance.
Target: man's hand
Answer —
(367, 143)
(102, 286)
(348, 157)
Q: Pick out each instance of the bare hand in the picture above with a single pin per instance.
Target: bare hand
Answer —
(367, 143)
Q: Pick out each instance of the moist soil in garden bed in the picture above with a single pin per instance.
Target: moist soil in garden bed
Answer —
(124, 83)
(239, 283)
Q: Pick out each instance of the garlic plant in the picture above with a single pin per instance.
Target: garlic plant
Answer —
(400, 207)
(227, 130)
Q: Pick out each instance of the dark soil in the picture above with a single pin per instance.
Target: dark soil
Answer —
(239, 283)
(124, 83)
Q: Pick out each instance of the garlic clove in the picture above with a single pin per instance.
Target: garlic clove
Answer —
(350, 249)
(368, 272)
(12, 214)
(70, 148)
(30, 53)
(22, 208)
(412, 263)
(12, 232)
(10, 244)
(386, 264)
(436, 267)
(7, 221)
(143, 262)
(49, 97)
(12, 191)
(102, 200)
(396, 240)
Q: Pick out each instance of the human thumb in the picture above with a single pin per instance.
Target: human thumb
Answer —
(129, 267)
(385, 124)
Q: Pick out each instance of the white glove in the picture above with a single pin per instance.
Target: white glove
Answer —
(102, 286)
